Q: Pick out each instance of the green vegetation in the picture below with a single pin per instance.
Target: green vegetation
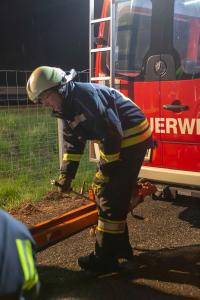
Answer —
(29, 156)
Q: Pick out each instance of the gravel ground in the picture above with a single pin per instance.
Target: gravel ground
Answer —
(166, 239)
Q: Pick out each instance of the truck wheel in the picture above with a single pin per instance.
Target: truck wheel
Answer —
(167, 194)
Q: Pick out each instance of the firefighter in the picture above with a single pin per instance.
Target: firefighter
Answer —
(18, 274)
(97, 112)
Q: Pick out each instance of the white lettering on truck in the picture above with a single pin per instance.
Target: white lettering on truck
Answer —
(198, 126)
(175, 126)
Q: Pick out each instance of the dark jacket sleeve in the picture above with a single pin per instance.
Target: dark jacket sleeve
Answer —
(73, 148)
(110, 145)
(98, 105)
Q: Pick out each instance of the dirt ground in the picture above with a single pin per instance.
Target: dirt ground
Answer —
(166, 238)
(52, 205)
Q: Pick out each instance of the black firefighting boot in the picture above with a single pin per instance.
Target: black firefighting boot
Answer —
(125, 253)
(123, 247)
(98, 264)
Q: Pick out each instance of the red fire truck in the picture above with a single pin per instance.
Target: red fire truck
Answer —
(150, 51)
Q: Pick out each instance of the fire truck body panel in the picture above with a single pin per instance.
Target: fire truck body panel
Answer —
(177, 134)
(157, 64)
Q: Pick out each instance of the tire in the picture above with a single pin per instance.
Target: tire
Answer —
(167, 194)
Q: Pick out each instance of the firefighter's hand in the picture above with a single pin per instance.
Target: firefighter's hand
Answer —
(63, 184)
(100, 178)
(99, 182)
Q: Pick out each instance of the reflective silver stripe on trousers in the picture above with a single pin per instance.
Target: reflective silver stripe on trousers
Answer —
(112, 227)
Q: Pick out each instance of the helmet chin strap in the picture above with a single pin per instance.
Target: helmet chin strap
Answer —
(64, 85)
(63, 89)
(70, 76)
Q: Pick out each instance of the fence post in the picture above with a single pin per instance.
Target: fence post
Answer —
(60, 140)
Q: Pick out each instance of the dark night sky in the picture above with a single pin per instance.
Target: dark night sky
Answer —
(44, 32)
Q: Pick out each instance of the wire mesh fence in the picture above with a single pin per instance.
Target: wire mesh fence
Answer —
(29, 150)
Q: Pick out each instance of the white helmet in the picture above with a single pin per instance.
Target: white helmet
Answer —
(44, 78)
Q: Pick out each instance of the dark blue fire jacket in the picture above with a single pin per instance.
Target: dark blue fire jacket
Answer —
(99, 113)
(17, 263)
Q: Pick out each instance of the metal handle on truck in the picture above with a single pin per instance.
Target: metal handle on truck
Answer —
(175, 107)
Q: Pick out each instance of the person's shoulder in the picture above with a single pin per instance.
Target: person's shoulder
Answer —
(84, 88)
(11, 222)
(4, 215)
(8, 221)
(83, 85)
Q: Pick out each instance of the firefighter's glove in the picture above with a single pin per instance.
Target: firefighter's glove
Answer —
(99, 182)
(64, 184)
(99, 178)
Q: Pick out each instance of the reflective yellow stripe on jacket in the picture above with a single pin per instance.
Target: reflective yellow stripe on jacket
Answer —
(109, 157)
(73, 157)
(131, 136)
(112, 227)
(136, 129)
(136, 134)
(24, 249)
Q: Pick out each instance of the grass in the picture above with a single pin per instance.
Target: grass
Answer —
(29, 156)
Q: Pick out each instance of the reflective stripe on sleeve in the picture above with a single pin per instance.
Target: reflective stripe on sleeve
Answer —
(24, 249)
(136, 139)
(136, 129)
(109, 157)
(73, 157)
(112, 227)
